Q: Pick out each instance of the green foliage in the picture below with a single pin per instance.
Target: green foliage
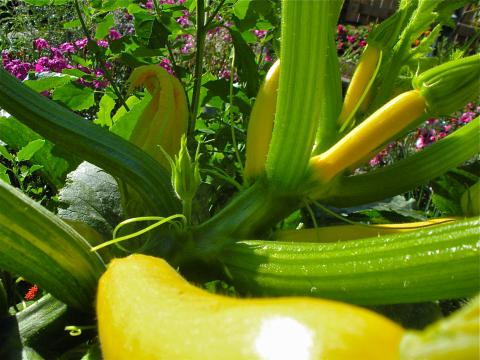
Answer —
(55, 163)
(76, 98)
(91, 196)
(241, 38)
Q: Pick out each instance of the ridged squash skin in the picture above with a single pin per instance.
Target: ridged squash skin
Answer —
(260, 125)
(146, 310)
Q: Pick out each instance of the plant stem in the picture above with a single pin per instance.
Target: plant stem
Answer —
(252, 213)
(231, 114)
(305, 60)
(214, 13)
(439, 262)
(200, 50)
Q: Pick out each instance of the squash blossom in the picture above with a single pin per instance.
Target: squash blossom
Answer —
(165, 119)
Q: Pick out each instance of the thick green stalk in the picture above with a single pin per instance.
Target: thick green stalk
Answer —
(37, 245)
(330, 86)
(404, 175)
(252, 213)
(439, 262)
(305, 61)
(88, 141)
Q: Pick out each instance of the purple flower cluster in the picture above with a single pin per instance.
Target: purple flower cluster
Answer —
(184, 20)
(432, 131)
(436, 129)
(167, 65)
(149, 3)
(260, 34)
(16, 67)
(56, 59)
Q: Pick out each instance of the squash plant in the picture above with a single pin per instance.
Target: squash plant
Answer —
(303, 143)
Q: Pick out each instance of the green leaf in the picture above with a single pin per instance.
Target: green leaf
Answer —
(92, 197)
(104, 26)
(4, 152)
(56, 162)
(124, 122)
(241, 7)
(107, 103)
(445, 9)
(75, 97)
(150, 31)
(33, 168)
(131, 101)
(30, 149)
(48, 81)
(38, 2)
(448, 190)
(110, 5)
(74, 72)
(245, 63)
(3, 174)
(72, 24)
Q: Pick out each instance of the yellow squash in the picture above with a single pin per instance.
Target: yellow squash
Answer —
(146, 310)
(352, 232)
(260, 125)
(384, 124)
(361, 82)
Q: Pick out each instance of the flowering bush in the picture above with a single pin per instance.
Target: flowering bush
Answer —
(351, 40)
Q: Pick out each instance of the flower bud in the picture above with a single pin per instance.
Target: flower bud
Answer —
(449, 86)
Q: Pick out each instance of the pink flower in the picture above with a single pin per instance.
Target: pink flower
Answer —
(420, 143)
(183, 20)
(114, 34)
(167, 65)
(56, 52)
(40, 44)
(351, 39)
(362, 43)
(57, 64)
(81, 43)
(340, 29)
(42, 64)
(67, 48)
(102, 43)
(260, 34)
(377, 160)
(340, 46)
(149, 4)
(99, 84)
